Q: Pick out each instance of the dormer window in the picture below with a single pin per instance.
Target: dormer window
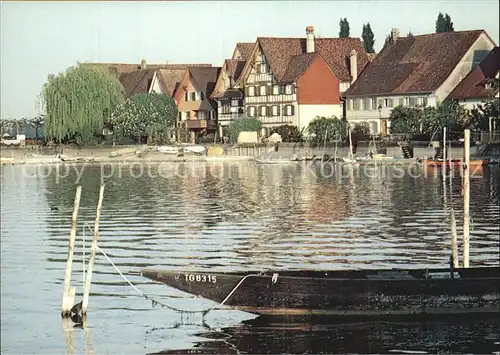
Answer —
(288, 89)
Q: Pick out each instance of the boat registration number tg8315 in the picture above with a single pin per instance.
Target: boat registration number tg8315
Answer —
(200, 278)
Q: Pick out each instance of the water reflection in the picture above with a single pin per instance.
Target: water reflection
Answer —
(270, 335)
(230, 216)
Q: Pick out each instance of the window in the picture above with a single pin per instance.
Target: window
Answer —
(288, 89)
(211, 115)
(251, 91)
(263, 68)
(424, 101)
(263, 111)
(234, 103)
(412, 102)
(276, 110)
(186, 96)
(198, 96)
(251, 111)
(380, 103)
(356, 104)
(350, 104)
(263, 90)
(289, 110)
(401, 101)
(276, 90)
(388, 103)
(367, 104)
(374, 104)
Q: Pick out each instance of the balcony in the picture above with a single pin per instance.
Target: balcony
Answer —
(270, 99)
(198, 124)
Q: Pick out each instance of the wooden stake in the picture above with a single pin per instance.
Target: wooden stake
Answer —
(68, 298)
(466, 189)
(88, 280)
(444, 154)
(454, 243)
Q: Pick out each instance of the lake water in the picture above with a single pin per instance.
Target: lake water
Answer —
(227, 216)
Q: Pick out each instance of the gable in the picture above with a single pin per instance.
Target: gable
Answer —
(418, 64)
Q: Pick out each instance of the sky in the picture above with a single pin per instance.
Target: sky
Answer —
(40, 38)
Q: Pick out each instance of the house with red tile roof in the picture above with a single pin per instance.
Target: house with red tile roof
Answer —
(144, 78)
(478, 86)
(413, 71)
(293, 80)
(230, 100)
(197, 111)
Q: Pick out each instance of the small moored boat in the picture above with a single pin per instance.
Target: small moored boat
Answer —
(345, 293)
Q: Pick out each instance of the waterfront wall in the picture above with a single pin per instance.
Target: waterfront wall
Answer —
(251, 151)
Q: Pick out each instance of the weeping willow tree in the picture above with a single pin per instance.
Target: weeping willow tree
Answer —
(78, 103)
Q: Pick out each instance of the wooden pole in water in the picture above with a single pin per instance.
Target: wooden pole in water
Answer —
(444, 154)
(69, 292)
(466, 189)
(88, 280)
(454, 243)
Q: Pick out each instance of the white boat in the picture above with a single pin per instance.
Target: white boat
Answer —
(198, 149)
(168, 149)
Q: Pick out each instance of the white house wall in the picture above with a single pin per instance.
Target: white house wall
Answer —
(306, 113)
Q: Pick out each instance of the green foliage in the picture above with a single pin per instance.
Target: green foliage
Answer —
(78, 102)
(426, 121)
(368, 38)
(443, 23)
(326, 129)
(344, 28)
(289, 133)
(243, 124)
(482, 115)
(145, 115)
(360, 132)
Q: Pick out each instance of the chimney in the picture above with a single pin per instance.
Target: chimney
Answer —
(354, 65)
(394, 34)
(143, 64)
(310, 39)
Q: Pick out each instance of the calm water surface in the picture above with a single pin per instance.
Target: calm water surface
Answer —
(231, 216)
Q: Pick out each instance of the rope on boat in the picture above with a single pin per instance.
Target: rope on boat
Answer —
(155, 302)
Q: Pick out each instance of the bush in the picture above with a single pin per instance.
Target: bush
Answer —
(289, 133)
(324, 129)
(244, 124)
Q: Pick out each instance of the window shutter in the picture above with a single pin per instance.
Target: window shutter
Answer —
(201, 95)
(292, 110)
(186, 96)
(278, 110)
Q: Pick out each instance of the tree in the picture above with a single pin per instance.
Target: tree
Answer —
(243, 124)
(37, 122)
(326, 129)
(78, 102)
(344, 28)
(368, 38)
(484, 115)
(448, 24)
(289, 133)
(444, 23)
(144, 116)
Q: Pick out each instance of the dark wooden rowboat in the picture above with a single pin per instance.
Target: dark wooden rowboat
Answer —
(390, 292)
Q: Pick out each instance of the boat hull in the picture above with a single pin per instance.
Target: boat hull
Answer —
(345, 293)
(453, 163)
